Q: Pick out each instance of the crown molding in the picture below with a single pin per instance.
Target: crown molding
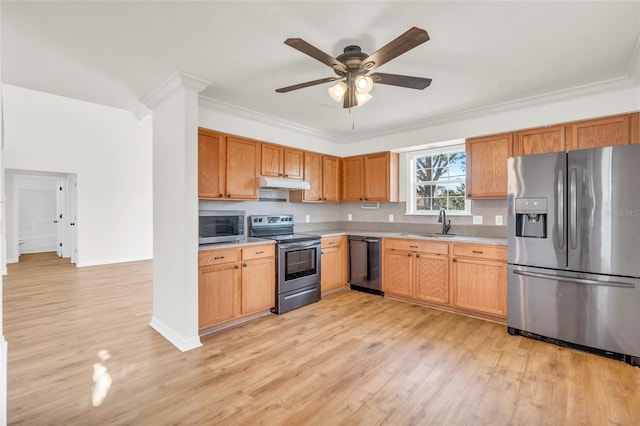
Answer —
(226, 108)
(179, 80)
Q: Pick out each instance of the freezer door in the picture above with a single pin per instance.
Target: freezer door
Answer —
(585, 309)
(604, 210)
(541, 179)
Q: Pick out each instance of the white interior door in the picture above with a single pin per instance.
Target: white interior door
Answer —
(72, 219)
(60, 219)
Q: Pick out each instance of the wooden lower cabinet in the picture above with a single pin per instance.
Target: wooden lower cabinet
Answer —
(465, 278)
(234, 283)
(479, 279)
(333, 263)
(416, 269)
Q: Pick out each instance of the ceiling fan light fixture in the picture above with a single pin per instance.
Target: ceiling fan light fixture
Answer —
(364, 84)
(363, 98)
(337, 91)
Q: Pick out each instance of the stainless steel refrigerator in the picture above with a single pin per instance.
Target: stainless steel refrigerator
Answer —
(574, 249)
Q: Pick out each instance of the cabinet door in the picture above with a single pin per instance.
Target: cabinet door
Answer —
(487, 165)
(218, 294)
(376, 177)
(352, 184)
(480, 285)
(211, 164)
(601, 132)
(258, 285)
(540, 141)
(397, 272)
(330, 178)
(313, 175)
(293, 163)
(432, 277)
(271, 161)
(242, 168)
(331, 268)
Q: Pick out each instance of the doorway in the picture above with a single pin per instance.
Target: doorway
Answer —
(41, 214)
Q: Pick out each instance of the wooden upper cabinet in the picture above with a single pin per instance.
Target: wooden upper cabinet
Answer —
(371, 177)
(540, 141)
(278, 161)
(271, 162)
(606, 131)
(293, 163)
(243, 168)
(313, 175)
(330, 178)
(381, 176)
(487, 165)
(211, 164)
(353, 174)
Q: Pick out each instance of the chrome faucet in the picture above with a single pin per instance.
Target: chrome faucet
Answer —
(442, 218)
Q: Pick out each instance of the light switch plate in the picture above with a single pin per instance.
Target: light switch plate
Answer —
(499, 220)
(477, 220)
(307, 218)
(390, 218)
(349, 217)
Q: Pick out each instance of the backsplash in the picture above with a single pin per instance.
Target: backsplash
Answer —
(334, 216)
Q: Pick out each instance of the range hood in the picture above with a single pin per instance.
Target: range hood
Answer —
(282, 183)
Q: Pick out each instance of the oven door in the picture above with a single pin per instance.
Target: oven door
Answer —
(298, 265)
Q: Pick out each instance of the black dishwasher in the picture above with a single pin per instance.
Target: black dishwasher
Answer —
(364, 264)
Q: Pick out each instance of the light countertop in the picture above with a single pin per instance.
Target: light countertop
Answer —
(251, 241)
(453, 238)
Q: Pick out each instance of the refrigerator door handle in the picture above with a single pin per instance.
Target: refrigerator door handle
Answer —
(574, 280)
(573, 208)
(560, 200)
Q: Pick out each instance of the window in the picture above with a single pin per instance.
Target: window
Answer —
(437, 179)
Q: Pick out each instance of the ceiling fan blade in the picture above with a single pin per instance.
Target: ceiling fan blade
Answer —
(401, 80)
(307, 84)
(315, 53)
(407, 41)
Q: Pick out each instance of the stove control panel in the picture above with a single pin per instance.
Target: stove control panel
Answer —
(271, 220)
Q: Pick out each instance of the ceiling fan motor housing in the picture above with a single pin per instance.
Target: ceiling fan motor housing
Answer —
(352, 58)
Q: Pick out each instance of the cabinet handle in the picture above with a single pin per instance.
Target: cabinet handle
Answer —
(477, 251)
(413, 246)
(244, 265)
(259, 252)
(218, 257)
(331, 242)
(219, 195)
(236, 267)
(469, 195)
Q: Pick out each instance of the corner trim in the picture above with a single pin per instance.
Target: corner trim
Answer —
(176, 81)
(183, 344)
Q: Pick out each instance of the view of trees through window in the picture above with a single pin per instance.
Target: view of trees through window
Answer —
(440, 181)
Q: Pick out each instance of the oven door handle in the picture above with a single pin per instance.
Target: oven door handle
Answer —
(300, 245)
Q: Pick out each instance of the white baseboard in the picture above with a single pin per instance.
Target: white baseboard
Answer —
(13, 260)
(110, 261)
(184, 344)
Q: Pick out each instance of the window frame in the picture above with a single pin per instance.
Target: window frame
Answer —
(411, 181)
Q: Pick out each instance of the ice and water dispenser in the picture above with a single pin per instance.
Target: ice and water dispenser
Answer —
(531, 217)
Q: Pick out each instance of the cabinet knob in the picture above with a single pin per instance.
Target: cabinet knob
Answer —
(365, 198)
(409, 254)
(360, 198)
(454, 260)
(236, 267)
(279, 174)
(244, 265)
(219, 195)
(417, 255)
(286, 175)
(228, 195)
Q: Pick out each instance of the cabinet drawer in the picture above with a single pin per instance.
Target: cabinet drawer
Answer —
(328, 242)
(480, 251)
(417, 245)
(216, 257)
(255, 252)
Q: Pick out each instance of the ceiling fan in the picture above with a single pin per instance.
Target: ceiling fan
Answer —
(353, 67)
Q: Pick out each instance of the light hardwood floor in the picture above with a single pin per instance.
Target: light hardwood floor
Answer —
(352, 358)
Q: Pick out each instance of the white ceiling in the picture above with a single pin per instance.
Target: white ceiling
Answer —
(480, 53)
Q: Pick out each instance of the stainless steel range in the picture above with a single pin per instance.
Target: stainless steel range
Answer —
(297, 261)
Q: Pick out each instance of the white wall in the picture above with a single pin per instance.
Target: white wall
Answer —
(108, 149)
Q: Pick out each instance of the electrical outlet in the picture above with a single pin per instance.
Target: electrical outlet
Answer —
(349, 217)
(390, 218)
(307, 218)
(477, 220)
(499, 220)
